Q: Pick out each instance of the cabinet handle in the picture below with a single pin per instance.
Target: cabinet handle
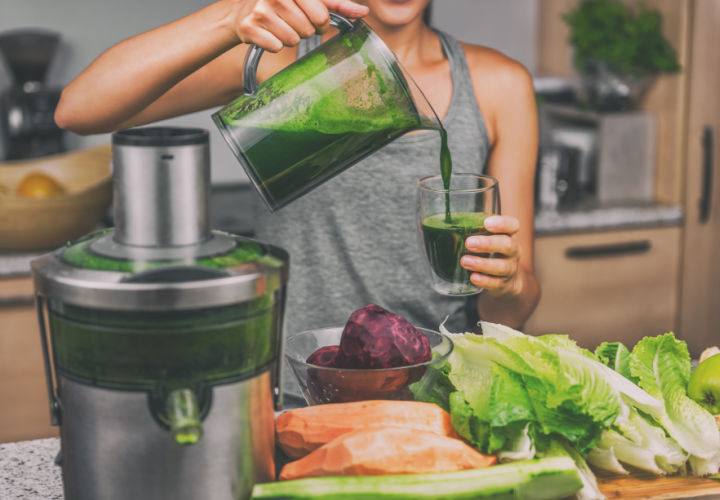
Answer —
(608, 250)
(707, 175)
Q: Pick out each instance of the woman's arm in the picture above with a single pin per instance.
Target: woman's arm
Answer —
(187, 65)
(505, 93)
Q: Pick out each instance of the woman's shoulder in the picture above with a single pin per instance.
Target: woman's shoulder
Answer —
(502, 85)
(493, 69)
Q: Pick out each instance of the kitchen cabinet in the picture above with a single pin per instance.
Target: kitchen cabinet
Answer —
(686, 107)
(700, 303)
(608, 285)
(24, 407)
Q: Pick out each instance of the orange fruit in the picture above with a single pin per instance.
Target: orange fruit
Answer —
(39, 185)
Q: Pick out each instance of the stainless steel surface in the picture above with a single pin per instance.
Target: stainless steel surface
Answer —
(161, 194)
(215, 244)
(112, 449)
(49, 379)
(113, 291)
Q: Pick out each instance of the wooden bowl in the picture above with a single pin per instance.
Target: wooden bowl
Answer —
(32, 224)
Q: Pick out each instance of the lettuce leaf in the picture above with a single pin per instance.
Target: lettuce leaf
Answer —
(662, 366)
(616, 356)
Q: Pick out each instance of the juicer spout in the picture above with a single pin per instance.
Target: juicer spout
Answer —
(184, 416)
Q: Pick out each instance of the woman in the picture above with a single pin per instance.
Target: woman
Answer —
(352, 240)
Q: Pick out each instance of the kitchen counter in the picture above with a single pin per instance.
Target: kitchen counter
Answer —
(28, 470)
(232, 208)
(590, 217)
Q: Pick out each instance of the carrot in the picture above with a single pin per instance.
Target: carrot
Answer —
(302, 430)
(389, 450)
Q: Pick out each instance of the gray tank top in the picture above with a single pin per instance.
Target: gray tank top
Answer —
(353, 240)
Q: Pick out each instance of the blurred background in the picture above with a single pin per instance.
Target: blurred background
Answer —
(627, 188)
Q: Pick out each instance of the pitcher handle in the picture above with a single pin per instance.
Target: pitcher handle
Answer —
(252, 58)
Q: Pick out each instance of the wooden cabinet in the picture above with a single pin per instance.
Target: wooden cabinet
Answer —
(24, 407)
(700, 303)
(617, 285)
(687, 170)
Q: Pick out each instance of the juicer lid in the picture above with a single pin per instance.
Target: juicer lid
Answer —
(80, 275)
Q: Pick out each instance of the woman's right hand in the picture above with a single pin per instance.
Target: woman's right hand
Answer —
(274, 24)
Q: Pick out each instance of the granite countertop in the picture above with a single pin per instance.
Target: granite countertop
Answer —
(591, 217)
(28, 470)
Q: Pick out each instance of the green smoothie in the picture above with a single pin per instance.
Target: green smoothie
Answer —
(318, 116)
(445, 243)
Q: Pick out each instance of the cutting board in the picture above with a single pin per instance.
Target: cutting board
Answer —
(658, 488)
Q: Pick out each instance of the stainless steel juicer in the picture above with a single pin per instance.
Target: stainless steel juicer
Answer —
(162, 338)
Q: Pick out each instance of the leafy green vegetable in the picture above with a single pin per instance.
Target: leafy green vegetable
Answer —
(590, 489)
(616, 356)
(629, 41)
(539, 479)
(662, 366)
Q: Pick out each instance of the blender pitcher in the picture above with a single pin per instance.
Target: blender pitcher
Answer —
(323, 113)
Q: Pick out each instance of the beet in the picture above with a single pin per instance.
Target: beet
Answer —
(325, 356)
(376, 338)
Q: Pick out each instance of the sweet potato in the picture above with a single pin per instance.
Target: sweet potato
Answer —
(302, 430)
(388, 450)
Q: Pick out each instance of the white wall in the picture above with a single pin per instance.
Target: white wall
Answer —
(506, 25)
(90, 26)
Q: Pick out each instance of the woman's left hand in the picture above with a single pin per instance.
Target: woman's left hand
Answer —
(497, 273)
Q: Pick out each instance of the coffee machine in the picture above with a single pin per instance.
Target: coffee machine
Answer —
(162, 338)
(27, 106)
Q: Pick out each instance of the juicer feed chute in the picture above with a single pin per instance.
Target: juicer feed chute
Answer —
(161, 333)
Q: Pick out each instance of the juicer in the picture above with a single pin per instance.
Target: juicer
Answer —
(162, 338)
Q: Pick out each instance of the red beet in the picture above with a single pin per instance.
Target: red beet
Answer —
(325, 356)
(376, 338)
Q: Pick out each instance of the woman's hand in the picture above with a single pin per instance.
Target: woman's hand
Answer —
(497, 273)
(273, 24)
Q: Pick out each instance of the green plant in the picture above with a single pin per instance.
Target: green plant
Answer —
(628, 41)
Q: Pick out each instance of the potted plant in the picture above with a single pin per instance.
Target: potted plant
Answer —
(618, 51)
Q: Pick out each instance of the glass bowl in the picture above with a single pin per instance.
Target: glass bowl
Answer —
(321, 384)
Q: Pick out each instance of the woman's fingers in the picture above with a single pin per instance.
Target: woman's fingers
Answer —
(272, 24)
(317, 14)
(492, 266)
(496, 243)
(502, 224)
(499, 254)
(347, 8)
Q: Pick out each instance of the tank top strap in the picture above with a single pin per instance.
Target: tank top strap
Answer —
(463, 91)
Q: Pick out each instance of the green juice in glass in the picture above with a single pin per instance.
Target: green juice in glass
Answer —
(445, 243)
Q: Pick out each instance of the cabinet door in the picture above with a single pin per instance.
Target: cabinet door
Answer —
(614, 286)
(24, 406)
(700, 304)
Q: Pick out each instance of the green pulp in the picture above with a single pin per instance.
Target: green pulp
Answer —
(445, 242)
(164, 350)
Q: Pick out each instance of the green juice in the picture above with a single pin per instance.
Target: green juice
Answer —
(320, 115)
(445, 243)
(285, 164)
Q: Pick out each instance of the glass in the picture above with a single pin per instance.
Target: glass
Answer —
(328, 110)
(445, 218)
(322, 384)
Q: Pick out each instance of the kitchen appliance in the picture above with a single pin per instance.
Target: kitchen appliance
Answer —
(328, 110)
(27, 107)
(162, 338)
(556, 177)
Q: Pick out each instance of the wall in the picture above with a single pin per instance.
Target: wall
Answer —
(90, 26)
(506, 25)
